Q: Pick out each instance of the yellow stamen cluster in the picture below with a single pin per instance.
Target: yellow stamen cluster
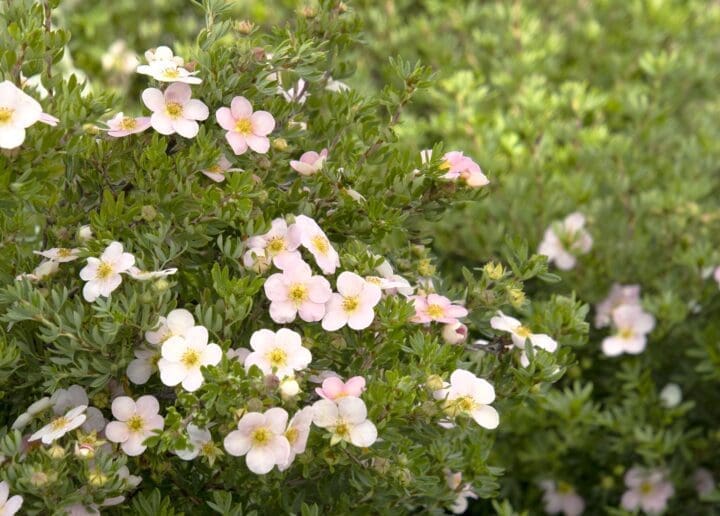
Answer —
(128, 123)
(191, 359)
(350, 304)
(277, 357)
(321, 244)
(135, 423)
(6, 114)
(298, 293)
(104, 270)
(243, 126)
(261, 436)
(174, 109)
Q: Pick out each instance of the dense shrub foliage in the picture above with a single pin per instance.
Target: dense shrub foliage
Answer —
(236, 218)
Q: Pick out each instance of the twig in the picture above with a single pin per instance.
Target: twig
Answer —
(48, 53)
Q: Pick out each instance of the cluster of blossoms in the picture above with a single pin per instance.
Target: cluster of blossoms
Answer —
(565, 240)
(623, 311)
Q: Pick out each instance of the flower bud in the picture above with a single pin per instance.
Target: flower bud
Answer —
(494, 271)
(244, 26)
(91, 129)
(289, 388)
(255, 405)
(517, 296)
(271, 382)
(380, 464)
(455, 333)
(21, 421)
(84, 233)
(308, 12)
(148, 213)
(97, 478)
(39, 478)
(161, 285)
(434, 382)
(280, 144)
(56, 451)
(426, 268)
(84, 450)
(671, 395)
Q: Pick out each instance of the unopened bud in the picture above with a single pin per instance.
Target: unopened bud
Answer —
(97, 478)
(161, 285)
(244, 26)
(494, 271)
(517, 296)
(434, 382)
(84, 233)
(455, 333)
(148, 213)
(56, 452)
(280, 144)
(289, 388)
(426, 268)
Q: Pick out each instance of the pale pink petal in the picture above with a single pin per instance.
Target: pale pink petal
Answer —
(196, 110)
(193, 380)
(178, 92)
(364, 434)
(260, 144)
(263, 123)
(361, 319)
(123, 408)
(237, 142)
(117, 432)
(162, 123)
(237, 443)
(350, 284)
(311, 312)
(241, 108)
(154, 99)
(147, 406)
(185, 128)
(225, 119)
(283, 312)
(276, 418)
(260, 460)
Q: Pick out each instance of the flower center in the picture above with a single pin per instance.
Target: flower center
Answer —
(646, 488)
(171, 73)
(64, 253)
(104, 270)
(243, 126)
(216, 169)
(191, 359)
(174, 109)
(626, 333)
(298, 293)
(128, 123)
(277, 357)
(6, 114)
(207, 448)
(523, 331)
(342, 429)
(135, 423)
(261, 436)
(466, 403)
(291, 435)
(59, 423)
(276, 245)
(564, 488)
(435, 311)
(321, 244)
(350, 304)
(374, 280)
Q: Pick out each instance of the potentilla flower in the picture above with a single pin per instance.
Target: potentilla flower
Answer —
(143, 366)
(632, 324)
(199, 439)
(261, 437)
(239, 354)
(163, 54)
(314, 240)
(141, 275)
(165, 67)
(296, 291)
(244, 127)
(463, 491)
(335, 389)
(353, 304)
(103, 274)
(18, 111)
(648, 490)
(671, 395)
(119, 58)
(466, 394)
(336, 86)
(218, 170)
(395, 284)
(564, 240)
(63, 400)
(136, 421)
(176, 323)
(11, 505)
(310, 162)
(42, 271)
(174, 111)
(297, 433)
(436, 308)
(459, 166)
(280, 244)
(121, 125)
(182, 358)
(455, 333)
(280, 353)
(60, 425)
(619, 295)
(60, 254)
(346, 420)
(256, 260)
(296, 93)
(561, 498)
(520, 334)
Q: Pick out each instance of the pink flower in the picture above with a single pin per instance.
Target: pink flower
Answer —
(244, 127)
(9, 505)
(561, 498)
(297, 291)
(261, 437)
(436, 308)
(280, 244)
(463, 492)
(648, 490)
(632, 325)
(175, 111)
(619, 295)
(313, 238)
(353, 305)
(455, 333)
(459, 166)
(280, 353)
(136, 421)
(335, 389)
(18, 111)
(217, 171)
(564, 240)
(121, 125)
(310, 162)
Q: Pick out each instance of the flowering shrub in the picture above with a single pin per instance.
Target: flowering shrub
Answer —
(222, 319)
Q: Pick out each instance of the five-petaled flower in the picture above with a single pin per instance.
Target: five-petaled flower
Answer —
(648, 489)
(466, 394)
(60, 254)
(183, 356)
(165, 67)
(437, 308)
(61, 425)
(632, 324)
(261, 437)
(346, 420)
(18, 111)
(296, 291)
(174, 111)
(335, 389)
(218, 170)
(136, 421)
(280, 353)
(560, 497)
(121, 125)
(462, 492)
(564, 240)
(353, 304)
(244, 127)
(103, 275)
(520, 334)
(310, 162)
(280, 244)
(314, 239)
(200, 441)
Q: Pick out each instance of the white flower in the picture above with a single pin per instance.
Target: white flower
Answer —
(103, 274)
(174, 110)
(176, 323)
(262, 438)
(394, 284)
(84, 233)
(140, 275)
(336, 86)
(648, 489)
(118, 57)
(165, 67)
(239, 354)
(63, 400)
(561, 498)
(520, 334)
(59, 254)
(463, 492)
(143, 366)
(296, 93)
(136, 421)
(280, 244)
(297, 433)
(296, 291)
(671, 395)
(60, 425)
(314, 240)
(280, 353)
(8, 506)
(182, 358)
(199, 438)
(564, 240)
(632, 324)
(619, 295)
(346, 421)
(218, 170)
(467, 394)
(353, 304)
(42, 271)
(163, 54)
(18, 111)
